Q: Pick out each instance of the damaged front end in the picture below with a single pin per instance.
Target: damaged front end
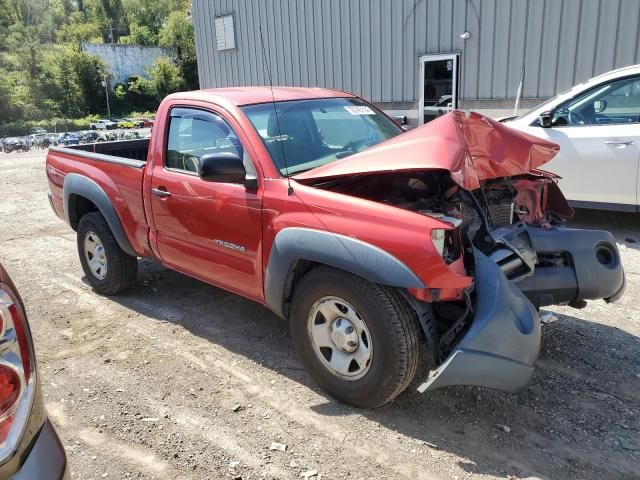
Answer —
(507, 233)
(501, 345)
(521, 257)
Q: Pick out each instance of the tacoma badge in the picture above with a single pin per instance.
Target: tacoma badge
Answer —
(230, 246)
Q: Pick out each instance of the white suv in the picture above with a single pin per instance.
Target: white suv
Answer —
(103, 124)
(597, 125)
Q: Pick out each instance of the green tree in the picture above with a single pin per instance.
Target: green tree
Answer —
(114, 20)
(166, 78)
(153, 13)
(140, 35)
(45, 74)
(79, 31)
(178, 33)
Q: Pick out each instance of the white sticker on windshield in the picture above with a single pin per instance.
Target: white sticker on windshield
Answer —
(359, 110)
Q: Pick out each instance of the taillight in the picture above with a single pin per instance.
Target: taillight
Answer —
(17, 372)
(10, 386)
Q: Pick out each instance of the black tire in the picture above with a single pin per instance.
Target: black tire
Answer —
(393, 328)
(122, 268)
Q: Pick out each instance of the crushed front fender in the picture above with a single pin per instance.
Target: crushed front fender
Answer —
(501, 346)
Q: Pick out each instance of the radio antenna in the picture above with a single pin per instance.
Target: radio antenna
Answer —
(275, 110)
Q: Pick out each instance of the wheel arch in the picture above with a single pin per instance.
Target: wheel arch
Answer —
(295, 251)
(82, 195)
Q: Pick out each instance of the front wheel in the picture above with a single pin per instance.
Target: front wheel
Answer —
(359, 341)
(109, 270)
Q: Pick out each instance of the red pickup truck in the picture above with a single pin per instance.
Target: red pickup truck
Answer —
(378, 245)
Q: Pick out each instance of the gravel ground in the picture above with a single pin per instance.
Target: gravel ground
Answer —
(178, 379)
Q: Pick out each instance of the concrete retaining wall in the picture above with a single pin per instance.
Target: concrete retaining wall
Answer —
(127, 60)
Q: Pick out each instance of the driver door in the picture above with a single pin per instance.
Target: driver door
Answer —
(599, 136)
(209, 230)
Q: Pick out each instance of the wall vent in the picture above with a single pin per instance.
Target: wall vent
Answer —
(225, 35)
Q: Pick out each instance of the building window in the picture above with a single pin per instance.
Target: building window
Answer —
(225, 36)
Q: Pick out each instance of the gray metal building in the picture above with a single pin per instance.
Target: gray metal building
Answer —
(415, 56)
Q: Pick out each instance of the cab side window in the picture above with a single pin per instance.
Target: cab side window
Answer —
(613, 103)
(194, 133)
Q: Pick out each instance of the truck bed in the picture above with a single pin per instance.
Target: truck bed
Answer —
(131, 149)
(115, 168)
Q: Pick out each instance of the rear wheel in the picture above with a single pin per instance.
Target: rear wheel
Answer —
(107, 267)
(359, 341)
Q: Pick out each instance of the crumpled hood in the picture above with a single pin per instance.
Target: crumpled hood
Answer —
(473, 148)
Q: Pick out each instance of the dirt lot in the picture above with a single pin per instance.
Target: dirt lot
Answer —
(178, 379)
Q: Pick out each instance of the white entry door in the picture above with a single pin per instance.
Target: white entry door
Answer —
(438, 85)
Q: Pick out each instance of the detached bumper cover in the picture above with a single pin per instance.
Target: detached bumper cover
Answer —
(501, 347)
(596, 271)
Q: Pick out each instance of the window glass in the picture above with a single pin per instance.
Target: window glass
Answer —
(193, 133)
(310, 133)
(613, 103)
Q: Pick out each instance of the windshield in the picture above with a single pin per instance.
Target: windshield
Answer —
(311, 133)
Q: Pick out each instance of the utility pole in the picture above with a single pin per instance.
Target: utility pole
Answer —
(110, 30)
(106, 90)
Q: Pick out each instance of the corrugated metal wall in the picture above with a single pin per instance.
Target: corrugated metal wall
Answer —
(371, 47)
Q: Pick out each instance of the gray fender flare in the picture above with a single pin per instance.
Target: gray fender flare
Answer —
(339, 251)
(75, 184)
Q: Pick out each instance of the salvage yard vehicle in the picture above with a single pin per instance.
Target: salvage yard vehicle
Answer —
(68, 139)
(378, 245)
(597, 126)
(125, 123)
(38, 131)
(143, 122)
(103, 124)
(16, 144)
(29, 445)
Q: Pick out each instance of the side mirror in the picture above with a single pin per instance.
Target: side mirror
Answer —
(401, 119)
(599, 106)
(225, 167)
(545, 119)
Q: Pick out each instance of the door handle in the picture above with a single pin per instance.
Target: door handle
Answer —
(619, 142)
(160, 192)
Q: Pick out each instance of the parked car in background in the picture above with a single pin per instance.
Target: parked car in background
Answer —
(103, 124)
(88, 136)
(125, 123)
(281, 199)
(67, 139)
(38, 131)
(37, 140)
(437, 109)
(29, 446)
(144, 122)
(597, 125)
(136, 123)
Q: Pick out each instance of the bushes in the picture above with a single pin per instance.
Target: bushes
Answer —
(135, 93)
(142, 93)
(166, 78)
